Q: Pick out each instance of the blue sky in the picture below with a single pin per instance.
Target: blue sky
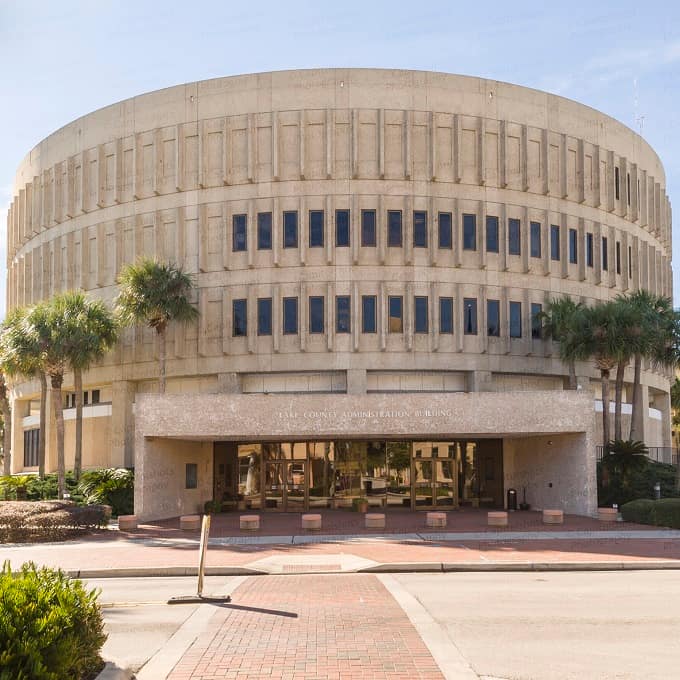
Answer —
(60, 59)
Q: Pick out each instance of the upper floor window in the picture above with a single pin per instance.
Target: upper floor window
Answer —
(239, 236)
(618, 257)
(368, 314)
(573, 246)
(316, 229)
(536, 311)
(240, 318)
(290, 229)
(515, 319)
(290, 315)
(469, 232)
(368, 228)
(589, 249)
(316, 314)
(491, 234)
(554, 242)
(535, 239)
(264, 231)
(514, 237)
(628, 187)
(419, 229)
(493, 318)
(617, 190)
(395, 312)
(445, 315)
(630, 262)
(342, 228)
(264, 316)
(605, 254)
(342, 314)
(470, 316)
(445, 230)
(394, 235)
(421, 321)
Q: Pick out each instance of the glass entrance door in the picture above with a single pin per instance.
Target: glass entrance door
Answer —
(434, 475)
(285, 485)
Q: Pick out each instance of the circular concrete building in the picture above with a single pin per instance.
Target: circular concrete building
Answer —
(370, 249)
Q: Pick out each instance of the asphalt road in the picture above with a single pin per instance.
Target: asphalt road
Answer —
(519, 626)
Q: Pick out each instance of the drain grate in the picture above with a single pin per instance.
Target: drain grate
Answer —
(296, 568)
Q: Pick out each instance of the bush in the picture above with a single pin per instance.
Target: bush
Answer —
(28, 521)
(639, 511)
(51, 628)
(639, 484)
(211, 507)
(46, 488)
(110, 486)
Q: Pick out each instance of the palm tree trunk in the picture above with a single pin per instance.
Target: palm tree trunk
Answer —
(43, 424)
(161, 359)
(618, 398)
(78, 460)
(572, 375)
(7, 433)
(636, 415)
(604, 373)
(56, 380)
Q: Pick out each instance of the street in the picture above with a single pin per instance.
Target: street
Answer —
(519, 626)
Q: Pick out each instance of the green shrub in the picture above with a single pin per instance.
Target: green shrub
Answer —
(28, 521)
(51, 628)
(640, 511)
(46, 488)
(211, 507)
(667, 513)
(638, 484)
(110, 486)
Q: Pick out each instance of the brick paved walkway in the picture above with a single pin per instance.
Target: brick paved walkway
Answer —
(354, 632)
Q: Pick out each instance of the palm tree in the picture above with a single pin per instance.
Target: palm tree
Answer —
(93, 333)
(557, 322)
(155, 294)
(634, 340)
(6, 428)
(20, 356)
(659, 341)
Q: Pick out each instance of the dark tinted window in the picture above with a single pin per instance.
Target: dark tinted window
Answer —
(605, 254)
(422, 324)
(554, 242)
(493, 318)
(316, 315)
(618, 257)
(316, 228)
(368, 321)
(470, 316)
(445, 230)
(191, 476)
(394, 228)
(264, 316)
(630, 262)
(617, 181)
(573, 246)
(342, 228)
(536, 310)
(514, 237)
(515, 319)
(239, 238)
(264, 231)
(290, 315)
(290, 230)
(445, 315)
(491, 234)
(395, 314)
(240, 318)
(469, 232)
(368, 227)
(535, 236)
(420, 229)
(589, 249)
(342, 314)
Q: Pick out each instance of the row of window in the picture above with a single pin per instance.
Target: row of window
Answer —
(317, 233)
(89, 397)
(395, 314)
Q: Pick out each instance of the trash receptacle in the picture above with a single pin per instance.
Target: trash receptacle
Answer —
(512, 500)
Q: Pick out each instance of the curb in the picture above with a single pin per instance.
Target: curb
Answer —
(384, 568)
(113, 671)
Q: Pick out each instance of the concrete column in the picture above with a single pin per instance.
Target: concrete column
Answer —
(478, 381)
(122, 423)
(356, 381)
(229, 383)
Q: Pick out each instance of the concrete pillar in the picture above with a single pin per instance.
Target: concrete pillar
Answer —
(478, 381)
(356, 381)
(122, 423)
(229, 383)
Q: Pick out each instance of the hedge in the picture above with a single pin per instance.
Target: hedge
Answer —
(28, 521)
(663, 513)
(51, 628)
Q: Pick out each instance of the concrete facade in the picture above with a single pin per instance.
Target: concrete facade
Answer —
(301, 162)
